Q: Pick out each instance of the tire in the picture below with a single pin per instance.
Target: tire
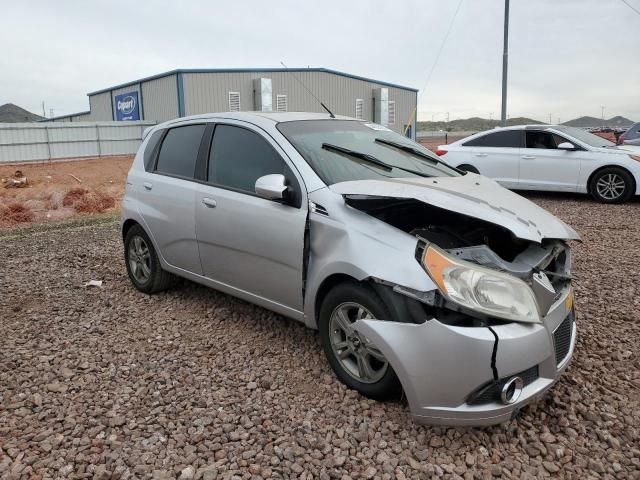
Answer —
(611, 185)
(468, 168)
(348, 298)
(142, 262)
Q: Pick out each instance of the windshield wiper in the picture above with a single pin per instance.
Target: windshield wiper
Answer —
(408, 149)
(369, 158)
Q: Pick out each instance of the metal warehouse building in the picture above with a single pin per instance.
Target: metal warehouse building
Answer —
(192, 91)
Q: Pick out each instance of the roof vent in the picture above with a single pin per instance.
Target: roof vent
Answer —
(281, 103)
(392, 112)
(234, 101)
(359, 108)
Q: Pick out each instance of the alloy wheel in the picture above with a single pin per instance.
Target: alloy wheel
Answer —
(139, 259)
(610, 186)
(359, 358)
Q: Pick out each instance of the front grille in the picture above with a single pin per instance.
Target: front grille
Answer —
(562, 338)
(491, 392)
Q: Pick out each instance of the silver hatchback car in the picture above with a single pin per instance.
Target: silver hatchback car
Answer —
(419, 278)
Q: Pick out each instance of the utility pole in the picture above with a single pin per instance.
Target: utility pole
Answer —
(550, 121)
(505, 55)
(602, 107)
(43, 112)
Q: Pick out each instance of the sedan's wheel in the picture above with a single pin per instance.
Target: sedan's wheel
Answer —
(468, 168)
(142, 262)
(611, 185)
(356, 361)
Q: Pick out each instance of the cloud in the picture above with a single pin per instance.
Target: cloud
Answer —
(566, 58)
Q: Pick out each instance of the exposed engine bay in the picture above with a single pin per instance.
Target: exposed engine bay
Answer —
(545, 266)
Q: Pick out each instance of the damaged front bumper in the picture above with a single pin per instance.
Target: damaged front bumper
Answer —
(451, 375)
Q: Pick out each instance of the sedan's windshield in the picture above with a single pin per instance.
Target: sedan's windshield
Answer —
(585, 137)
(344, 150)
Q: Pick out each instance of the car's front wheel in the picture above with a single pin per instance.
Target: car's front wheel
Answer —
(611, 185)
(143, 265)
(355, 360)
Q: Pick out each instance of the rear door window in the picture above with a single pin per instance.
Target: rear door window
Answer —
(179, 151)
(502, 139)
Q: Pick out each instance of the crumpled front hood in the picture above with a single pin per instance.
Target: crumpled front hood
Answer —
(471, 195)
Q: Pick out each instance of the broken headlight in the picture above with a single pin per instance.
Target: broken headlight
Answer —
(481, 289)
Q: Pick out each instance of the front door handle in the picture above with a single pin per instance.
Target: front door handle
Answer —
(147, 185)
(209, 202)
(480, 154)
(528, 157)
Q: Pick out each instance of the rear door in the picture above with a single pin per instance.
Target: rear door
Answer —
(167, 196)
(496, 155)
(248, 243)
(544, 167)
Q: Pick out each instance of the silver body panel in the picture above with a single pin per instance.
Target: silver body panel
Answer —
(254, 248)
(439, 365)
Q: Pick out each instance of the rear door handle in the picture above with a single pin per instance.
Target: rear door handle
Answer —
(147, 185)
(528, 157)
(209, 202)
(480, 154)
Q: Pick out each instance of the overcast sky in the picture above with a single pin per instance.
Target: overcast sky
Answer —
(566, 58)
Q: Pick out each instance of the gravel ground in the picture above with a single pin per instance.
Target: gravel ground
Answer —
(191, 384)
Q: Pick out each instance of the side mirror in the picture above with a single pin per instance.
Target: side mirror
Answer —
(272, 187)
(566, 146)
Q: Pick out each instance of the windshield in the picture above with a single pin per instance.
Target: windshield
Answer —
(334, 166)
(585, 137)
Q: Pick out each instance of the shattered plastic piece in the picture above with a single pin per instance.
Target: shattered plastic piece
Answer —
(93, 283)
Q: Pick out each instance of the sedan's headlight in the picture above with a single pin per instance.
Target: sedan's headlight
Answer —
(481, 289)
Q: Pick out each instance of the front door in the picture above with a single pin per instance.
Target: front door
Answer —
(545, 167)
(246, 242)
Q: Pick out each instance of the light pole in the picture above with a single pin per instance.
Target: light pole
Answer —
(505, 55)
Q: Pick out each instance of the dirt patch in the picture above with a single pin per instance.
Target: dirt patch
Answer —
(15, 213)
(109, 383)
(86, 201)
(58, 190)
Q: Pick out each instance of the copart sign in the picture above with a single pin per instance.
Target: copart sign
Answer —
(127, 106)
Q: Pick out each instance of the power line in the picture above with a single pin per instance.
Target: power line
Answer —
(435, 62)
(631, 6)
(444, 40)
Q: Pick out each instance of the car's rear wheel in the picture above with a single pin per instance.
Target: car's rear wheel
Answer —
(468, 168)
(355, 360)
(611, 185)
(142, 262)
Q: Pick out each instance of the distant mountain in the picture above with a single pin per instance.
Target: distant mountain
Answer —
(10, 113)
(593, 122)
(473, 124)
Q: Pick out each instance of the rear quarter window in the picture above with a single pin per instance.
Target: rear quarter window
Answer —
(151, 148)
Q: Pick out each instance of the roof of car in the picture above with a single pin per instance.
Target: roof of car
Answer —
(276, 117)
(538, 126)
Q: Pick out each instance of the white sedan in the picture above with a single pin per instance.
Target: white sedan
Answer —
(549, 157)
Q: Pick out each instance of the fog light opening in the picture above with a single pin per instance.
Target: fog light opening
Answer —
(511, 390)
